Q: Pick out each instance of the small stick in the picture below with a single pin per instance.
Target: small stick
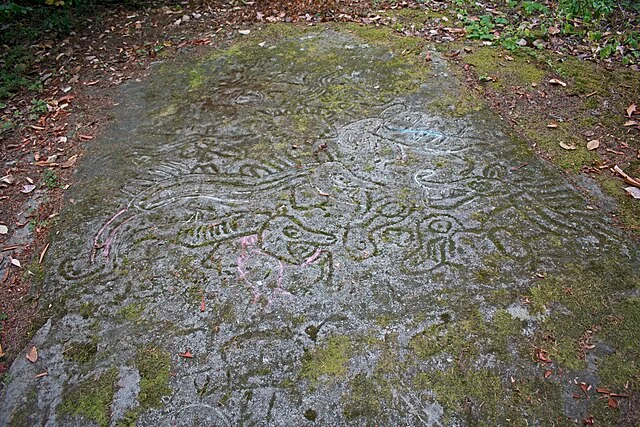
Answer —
(515, 168)
(44, 251)
(627, 178)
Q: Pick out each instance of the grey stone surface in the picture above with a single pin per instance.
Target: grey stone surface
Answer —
(306, 194)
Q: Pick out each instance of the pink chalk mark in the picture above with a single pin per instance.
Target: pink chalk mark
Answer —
(104, 227)
(313, 257)
(279, 289)
(112, 237)
(246, 243)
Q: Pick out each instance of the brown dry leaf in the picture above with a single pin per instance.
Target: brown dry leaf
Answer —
(28, 188)
(86, 137)
(612, 403)
(568, 146)
(322, 193)
(32, 356)
(1, 352)
(554, 30)
(70, 162)
(557, 82)
(631, 109)
(633, 192)
(585, 388)
(543, 356)
(553, 125)
(593, 144)
(630, 123)
(547, 374)
(7, 179)
(603, 390)
(186, 355)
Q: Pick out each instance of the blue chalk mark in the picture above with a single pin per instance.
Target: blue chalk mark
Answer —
(425, 132)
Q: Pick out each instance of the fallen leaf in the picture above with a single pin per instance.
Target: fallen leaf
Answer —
(630, 123)
(631, 109)
(603, 390)
(554, 30)
(244, 32)
(633, 192)
(547, 374)
(41, 374)
(28, 188)
(4, 229)
(322, 193)
(15, 262)
(1, 352)
(557, 82)
(612, 403)
(543, 356)
(202, 306)
(70, 162)
(588, 421)
(186, 355)
(593, 144)
(86, 137)
(568, 146)
(8, 179)
(552, 125)
(32, 356)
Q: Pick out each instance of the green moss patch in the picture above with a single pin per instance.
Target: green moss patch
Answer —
(519, 70)
(132, 312)
(91, 399)
(81, 352)
(154, 365)
(628, 209)
(365, 398)
(466, 339)
(590, 310)
(327, 362)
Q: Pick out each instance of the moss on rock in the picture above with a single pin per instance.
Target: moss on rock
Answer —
(327, 362)
(91, 399)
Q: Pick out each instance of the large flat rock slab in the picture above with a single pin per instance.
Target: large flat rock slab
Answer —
(300, 214)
